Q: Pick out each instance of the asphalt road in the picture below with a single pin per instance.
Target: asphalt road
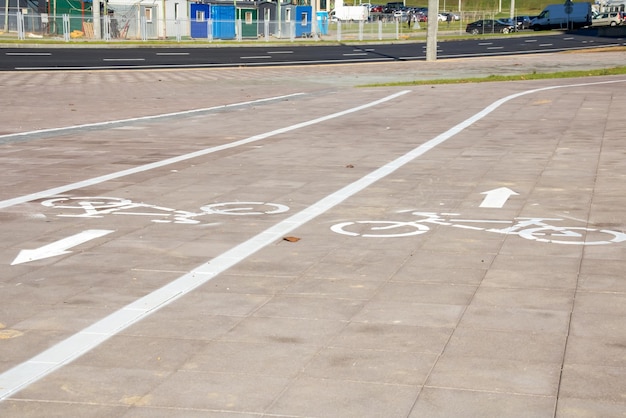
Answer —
(64, 58)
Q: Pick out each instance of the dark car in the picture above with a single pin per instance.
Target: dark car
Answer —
(488, 26)
(394, 6)
(523, 22)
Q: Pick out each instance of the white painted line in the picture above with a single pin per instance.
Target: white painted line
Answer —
(485, 43)
(499, 53)
(59, 247)
(158, 164)
(139, 119)
(496, 47)
(496, 198)
(545, 44)
(530, 40)
(280, 52)
(107, 177)
(123, 59)
(354, 54)
(29, 54)
(172, 53)
(255, 57)
(170, 66)
(75, 346)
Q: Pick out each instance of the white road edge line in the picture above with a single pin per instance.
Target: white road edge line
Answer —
(107, 177)
(138, 119)
(80, 343)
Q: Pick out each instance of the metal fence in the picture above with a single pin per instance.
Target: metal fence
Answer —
(129, 23)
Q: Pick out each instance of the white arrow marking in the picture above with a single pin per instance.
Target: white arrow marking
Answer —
(59, 247)
(496, 198)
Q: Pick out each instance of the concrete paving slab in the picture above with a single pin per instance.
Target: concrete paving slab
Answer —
(457, 310)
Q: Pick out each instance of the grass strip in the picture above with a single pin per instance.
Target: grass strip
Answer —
(519, 77)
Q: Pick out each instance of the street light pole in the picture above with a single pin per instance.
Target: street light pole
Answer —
(431, 33)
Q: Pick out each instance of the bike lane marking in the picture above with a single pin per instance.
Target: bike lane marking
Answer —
(7, 137)
(80, 343)
(527, 228)
(107, 177)
(59, 247)
(496, 198)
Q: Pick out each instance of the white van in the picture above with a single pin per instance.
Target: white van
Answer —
(563, 16)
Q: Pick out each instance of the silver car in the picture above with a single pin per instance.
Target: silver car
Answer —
(607, 19)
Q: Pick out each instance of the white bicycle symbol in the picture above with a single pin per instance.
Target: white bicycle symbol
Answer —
(529, 228)
(98, 206)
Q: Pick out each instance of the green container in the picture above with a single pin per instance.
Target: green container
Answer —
(248, 17)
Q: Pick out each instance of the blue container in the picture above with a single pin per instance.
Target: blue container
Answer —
(223, 21)
(303, 21)
(199, 15)
(322, 23)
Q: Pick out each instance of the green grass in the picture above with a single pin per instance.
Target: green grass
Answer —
(522, 7)
(532, 76)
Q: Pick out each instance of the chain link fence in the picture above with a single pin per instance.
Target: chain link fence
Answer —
(137, 23)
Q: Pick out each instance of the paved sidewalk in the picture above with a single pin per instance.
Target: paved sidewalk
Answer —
(90, 96)
(472, 303)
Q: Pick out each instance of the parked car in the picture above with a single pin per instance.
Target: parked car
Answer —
(401, 15)
(508, 21)
(488, 26)
(419, 15)
(453, 16)
(606, 19)
(555, 16)
(393, 6)
(523, 22)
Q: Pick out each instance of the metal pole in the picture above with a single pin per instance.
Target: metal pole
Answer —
(513, 20)
(278, 19)
(20, 25)
(96, 18)
(237, 22)
(314, 19)
(6, 16)
(164, 20)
